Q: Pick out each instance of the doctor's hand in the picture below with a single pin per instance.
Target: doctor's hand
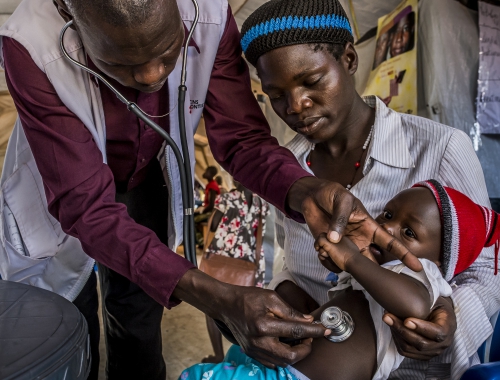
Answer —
(423, 340)
(256, 317)
(259, 317)
(329, 208)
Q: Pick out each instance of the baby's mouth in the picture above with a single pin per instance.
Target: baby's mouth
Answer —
(376, 252)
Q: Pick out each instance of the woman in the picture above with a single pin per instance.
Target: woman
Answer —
(304, 55)
(236, 219)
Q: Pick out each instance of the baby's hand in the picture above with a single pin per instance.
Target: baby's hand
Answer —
(340, 253)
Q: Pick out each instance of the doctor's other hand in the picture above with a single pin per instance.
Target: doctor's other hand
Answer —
(423, 340)
(329, 208)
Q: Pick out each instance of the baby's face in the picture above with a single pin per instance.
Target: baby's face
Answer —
(413, 217)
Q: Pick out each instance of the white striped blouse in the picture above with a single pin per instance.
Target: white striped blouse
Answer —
(406, 149)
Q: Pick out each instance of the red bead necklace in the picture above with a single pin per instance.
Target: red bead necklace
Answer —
(357, 165)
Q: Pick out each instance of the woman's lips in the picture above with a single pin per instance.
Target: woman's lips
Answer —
(309, 126)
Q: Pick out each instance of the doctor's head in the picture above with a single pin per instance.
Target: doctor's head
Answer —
(304, 54)
(135, 42)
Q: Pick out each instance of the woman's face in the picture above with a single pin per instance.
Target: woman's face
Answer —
(310, 90)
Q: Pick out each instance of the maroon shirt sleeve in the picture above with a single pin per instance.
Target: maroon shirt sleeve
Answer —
(239, 135)
(79, 187)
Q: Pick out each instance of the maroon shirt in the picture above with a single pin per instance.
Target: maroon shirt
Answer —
(80, 188)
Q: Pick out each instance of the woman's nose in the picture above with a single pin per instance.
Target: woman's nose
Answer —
(150, 73)
(297, 103)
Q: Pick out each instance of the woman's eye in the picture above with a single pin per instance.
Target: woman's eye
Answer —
(312, 82)
(387, 215)
(408, 232)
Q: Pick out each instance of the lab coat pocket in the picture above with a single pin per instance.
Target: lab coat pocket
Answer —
(28, 226)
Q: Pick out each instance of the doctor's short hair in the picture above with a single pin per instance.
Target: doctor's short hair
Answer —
(114, 12)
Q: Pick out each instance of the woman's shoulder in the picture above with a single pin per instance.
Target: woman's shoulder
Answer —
(425, 134)
(427, 128)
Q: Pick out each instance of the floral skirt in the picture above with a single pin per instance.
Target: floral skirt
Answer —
(238, 366)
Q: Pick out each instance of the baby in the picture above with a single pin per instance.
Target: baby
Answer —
(439, 225)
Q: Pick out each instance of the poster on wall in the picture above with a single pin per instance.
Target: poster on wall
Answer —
(488, 94)
(393, 77)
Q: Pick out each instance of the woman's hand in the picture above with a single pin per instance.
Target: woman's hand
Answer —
(329, 208)
(423, 340)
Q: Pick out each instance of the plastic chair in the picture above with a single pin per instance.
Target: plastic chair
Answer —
(489, 354)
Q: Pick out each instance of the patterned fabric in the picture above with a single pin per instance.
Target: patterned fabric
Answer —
(405, 150)
(236, 234)
(238, 366)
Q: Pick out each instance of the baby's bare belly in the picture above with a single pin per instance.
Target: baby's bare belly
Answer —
(353, 359)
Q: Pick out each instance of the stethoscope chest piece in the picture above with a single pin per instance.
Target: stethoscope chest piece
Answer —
(339, 322)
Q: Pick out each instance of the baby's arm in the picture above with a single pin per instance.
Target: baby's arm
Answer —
(397, 293)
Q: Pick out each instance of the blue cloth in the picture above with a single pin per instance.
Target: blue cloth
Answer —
(236, 366)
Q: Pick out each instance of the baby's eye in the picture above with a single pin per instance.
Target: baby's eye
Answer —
(387, 215)
(409, 233)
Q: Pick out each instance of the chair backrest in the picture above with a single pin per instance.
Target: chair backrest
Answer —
(490, 349)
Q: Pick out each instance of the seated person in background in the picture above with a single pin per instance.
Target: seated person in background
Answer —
(222, 189)
(212, 190)
(235, 223)
(441, 226)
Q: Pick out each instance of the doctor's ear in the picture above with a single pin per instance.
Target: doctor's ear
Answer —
(63, 10)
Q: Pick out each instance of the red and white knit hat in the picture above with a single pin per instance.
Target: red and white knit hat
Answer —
(466, 228)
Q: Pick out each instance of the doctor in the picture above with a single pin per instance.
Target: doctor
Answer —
(83, 181)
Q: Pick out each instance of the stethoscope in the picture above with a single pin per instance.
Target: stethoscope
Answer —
(184, 164)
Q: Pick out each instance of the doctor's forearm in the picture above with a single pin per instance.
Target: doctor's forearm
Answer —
(202, 291)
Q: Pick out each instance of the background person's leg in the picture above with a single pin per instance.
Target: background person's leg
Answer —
(216, 340)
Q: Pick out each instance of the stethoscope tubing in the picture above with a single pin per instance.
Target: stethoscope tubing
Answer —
(183, 164)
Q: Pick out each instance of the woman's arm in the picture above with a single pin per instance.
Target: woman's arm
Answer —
(397, 293)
